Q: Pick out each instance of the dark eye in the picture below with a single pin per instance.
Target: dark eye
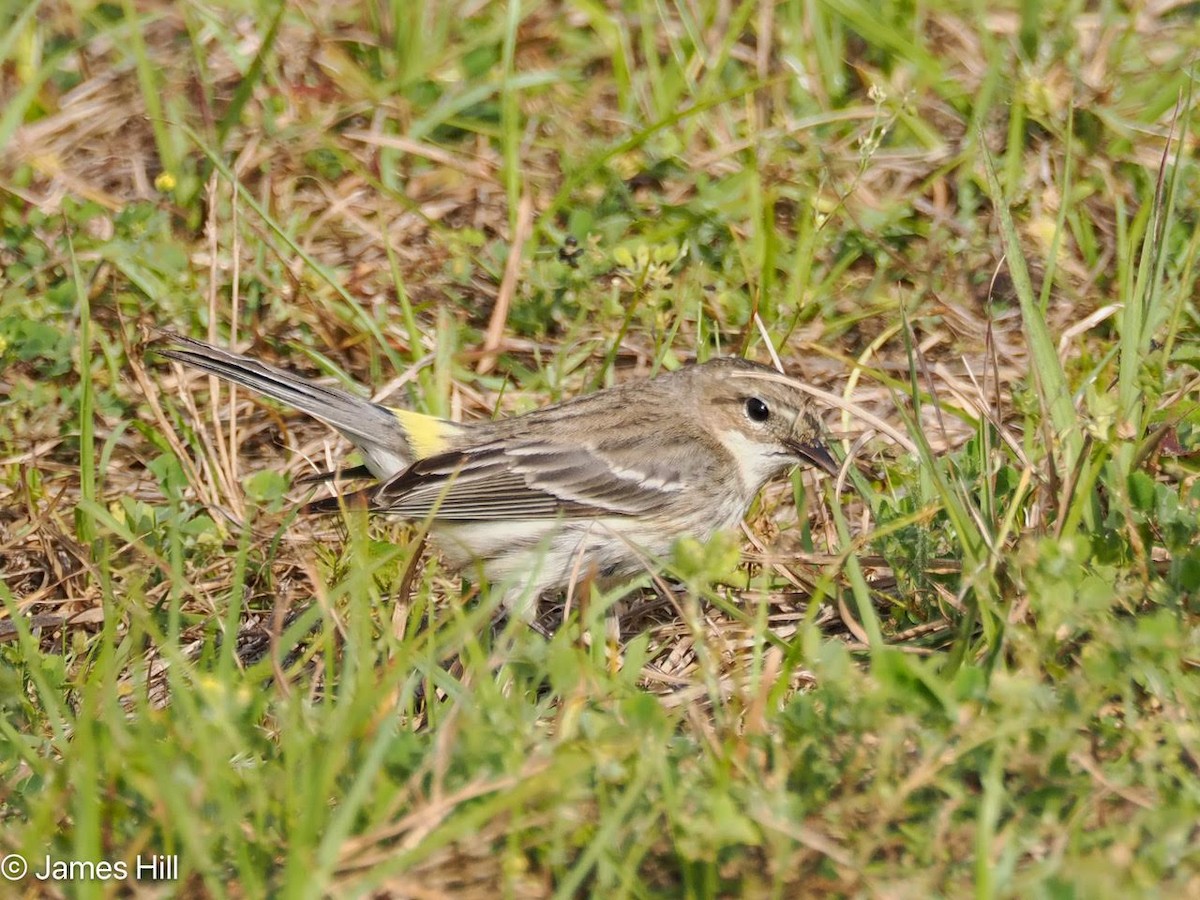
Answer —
(757, 410)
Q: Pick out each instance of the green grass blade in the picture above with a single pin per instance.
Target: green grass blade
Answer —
(1047, 371)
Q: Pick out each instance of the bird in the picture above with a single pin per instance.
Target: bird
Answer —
(591, 487)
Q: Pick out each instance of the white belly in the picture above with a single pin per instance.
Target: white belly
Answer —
(529, 558)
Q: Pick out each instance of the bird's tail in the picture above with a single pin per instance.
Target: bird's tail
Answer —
(377, 431)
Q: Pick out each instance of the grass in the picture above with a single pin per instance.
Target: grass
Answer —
(972, 671)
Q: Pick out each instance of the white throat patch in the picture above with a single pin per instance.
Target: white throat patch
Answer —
(756, 462)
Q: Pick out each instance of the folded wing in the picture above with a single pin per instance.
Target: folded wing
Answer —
(524, 480)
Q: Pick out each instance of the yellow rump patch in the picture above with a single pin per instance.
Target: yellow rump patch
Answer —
(427, 435)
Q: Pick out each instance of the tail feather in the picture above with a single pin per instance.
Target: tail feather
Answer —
(374, 429)
(356, 473)
(326, 505)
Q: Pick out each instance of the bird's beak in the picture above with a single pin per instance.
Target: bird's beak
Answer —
(818, 455)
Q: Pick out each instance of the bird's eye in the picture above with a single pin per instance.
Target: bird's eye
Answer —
(757, 410)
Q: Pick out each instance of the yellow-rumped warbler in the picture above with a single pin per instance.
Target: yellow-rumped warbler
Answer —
(591, 487)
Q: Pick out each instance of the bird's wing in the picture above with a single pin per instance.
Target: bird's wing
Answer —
(525, 480)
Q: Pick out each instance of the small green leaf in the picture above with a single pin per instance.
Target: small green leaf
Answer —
(266, 487)
(1141, 491)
